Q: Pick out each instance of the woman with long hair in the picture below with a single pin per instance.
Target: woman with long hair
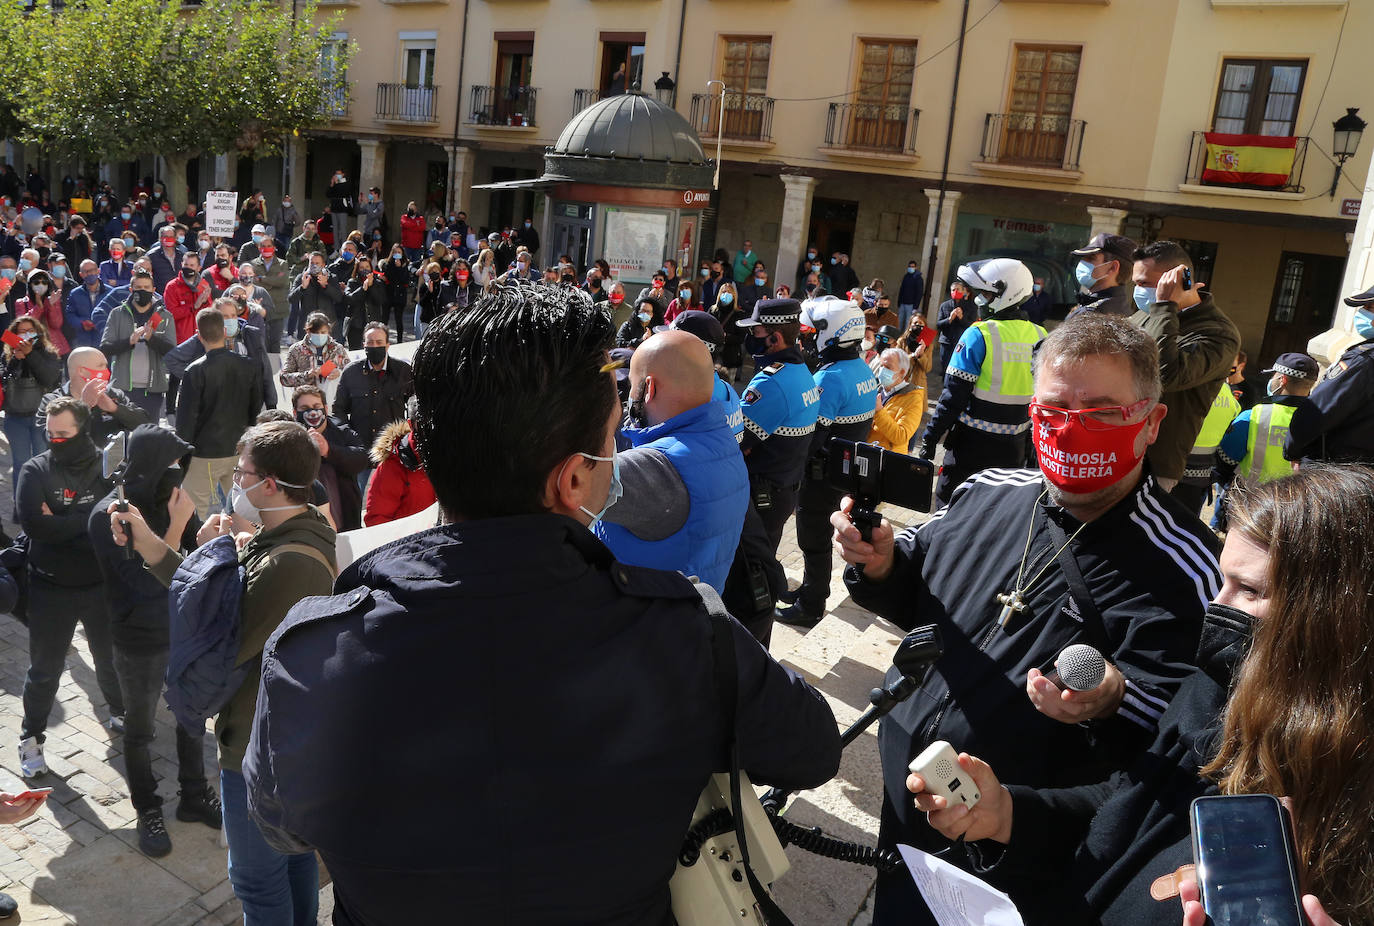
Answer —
(727, 311)
(687, 296)
(1291, 638)
(365, 294)
(31, 370)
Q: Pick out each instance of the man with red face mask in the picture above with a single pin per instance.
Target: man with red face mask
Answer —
(88, 379)
(1022, 563)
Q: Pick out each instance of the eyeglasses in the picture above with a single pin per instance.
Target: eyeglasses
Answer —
(1093, 419)
(240, 471)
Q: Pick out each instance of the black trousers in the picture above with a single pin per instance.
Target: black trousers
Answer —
(1192, 496)
(816, 501)
(774, 517)
(53, 613)
(399, 312)
(140, 680)
(969, 451)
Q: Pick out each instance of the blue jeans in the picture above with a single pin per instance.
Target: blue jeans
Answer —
(904, 313)
(26, 441)
(275, 889)
(419, 325)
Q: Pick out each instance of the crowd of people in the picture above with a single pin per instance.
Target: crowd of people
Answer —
(604, 472)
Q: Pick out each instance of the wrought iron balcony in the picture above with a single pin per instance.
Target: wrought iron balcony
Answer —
(746, 116)
(402, 103)
(509, 106)
(584, 98)
(1033, 140)
(1225, 165)
(877, 127)
(334, 102)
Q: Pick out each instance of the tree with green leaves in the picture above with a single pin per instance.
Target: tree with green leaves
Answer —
(116, 79)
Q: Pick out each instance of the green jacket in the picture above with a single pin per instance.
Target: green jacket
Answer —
(1196, 349)
(114, 344)
(298, 250)
(275, 585)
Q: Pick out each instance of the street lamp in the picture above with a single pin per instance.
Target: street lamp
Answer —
(665, 90)
(720, 121)
(1348, 130)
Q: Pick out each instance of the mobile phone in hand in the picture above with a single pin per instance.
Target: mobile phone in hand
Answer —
(31, 794)
(1187, 278)
(1247, 869)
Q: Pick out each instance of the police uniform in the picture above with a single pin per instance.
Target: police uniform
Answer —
(984, 406)
(780, 407)
(1253, 446)
(1192, 489)
(726, 395)
(1338, 422)
(848, 394)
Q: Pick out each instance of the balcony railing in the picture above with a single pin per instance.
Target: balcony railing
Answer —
(1231, 166)
(1033, 140)
(584, 98)
(334, 102)
(747, 116)
(877, 127)
(402, 103)
(513, 106)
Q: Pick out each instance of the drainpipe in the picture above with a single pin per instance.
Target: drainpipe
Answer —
(453, 205)
(677, 62)
(944, 170)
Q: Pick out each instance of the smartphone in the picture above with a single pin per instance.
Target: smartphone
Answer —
(29, 795)
(1247, 867)
(1187, 278)
(939, 768)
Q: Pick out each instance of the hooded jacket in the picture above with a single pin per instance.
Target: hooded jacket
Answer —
(399, 486)
(137, 601)
(59, 548)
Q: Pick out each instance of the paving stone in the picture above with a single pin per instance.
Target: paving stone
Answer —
(189, 915)
(110, 876)
(33, 908)
(218, 896)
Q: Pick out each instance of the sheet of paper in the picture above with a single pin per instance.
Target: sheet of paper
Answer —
(220, 207)
(351, 545)
(956, 897)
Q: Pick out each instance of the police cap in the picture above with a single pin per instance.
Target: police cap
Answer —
(772, 312)
(703, 325)
(1361, 300)
(1295, 365)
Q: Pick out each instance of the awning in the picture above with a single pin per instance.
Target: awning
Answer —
(533, 183)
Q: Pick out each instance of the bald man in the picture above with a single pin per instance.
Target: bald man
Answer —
(88, 379)
(685, 486)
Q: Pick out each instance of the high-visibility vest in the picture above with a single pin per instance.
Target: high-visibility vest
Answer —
(1264, 448)
(1224, 410)
(1005, 378)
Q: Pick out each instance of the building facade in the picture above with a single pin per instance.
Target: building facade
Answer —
(1204, 121)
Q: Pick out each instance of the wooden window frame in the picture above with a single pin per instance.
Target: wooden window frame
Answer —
(752, 38)
(1259, 99)
(864, 42)
(1048, 49)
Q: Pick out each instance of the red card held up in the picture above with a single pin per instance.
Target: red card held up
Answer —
(326, 368)
(155, 320)
(12, 339)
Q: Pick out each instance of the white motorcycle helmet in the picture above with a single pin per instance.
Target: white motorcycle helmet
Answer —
(838, 322)
(998, 283)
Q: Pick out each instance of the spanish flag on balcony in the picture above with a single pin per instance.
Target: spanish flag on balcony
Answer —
(1256, 160)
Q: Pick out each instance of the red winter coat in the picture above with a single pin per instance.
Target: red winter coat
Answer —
(395, 489)
(412, 231)
(181, 302)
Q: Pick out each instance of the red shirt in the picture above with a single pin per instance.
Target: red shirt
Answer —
(180, 300)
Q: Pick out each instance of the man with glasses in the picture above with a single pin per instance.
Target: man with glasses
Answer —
(1022, 563)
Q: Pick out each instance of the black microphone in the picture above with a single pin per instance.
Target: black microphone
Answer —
(1078, 668)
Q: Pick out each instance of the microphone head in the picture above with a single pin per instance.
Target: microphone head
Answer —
(1081, 668)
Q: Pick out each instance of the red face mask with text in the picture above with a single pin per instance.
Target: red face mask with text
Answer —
(1080, 460)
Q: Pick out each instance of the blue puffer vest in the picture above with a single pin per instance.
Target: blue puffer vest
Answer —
(705, 454)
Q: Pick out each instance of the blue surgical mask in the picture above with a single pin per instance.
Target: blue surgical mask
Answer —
(1364, 323)
(645, 317)
(25, 264)
(705, 272)
(834, 260)
(613, 494)
(347, 256)
(8, 273)
(910, 269)
(319, 338)
(725, 298)
(59, 272)
(1036, 287)
(1271, 388)
(1083, 273)
(231, 327)
(1144, 297)
(886, 377)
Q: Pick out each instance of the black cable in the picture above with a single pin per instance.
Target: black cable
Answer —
(1329, 71)
(813, 840)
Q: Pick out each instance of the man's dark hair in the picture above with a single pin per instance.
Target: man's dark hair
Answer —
(305, 390)
(210, 325)
(378, 326)
(142, 275)
(790, 331)
(78, 409)
(1165, 255)
(283, 450)
(516, 377)
(274, 414)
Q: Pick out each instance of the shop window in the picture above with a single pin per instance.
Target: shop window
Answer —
(1259, 97)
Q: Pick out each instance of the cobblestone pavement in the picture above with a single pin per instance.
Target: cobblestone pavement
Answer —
(77, 860)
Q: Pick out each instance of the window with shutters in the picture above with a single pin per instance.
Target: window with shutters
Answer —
(882, 101)
(1040, 109)
(1259, 97)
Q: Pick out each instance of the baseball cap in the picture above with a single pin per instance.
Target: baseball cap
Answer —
(621, 356)
(1117, 247)
(1296, 365)
(259, 230)
(1360, 300)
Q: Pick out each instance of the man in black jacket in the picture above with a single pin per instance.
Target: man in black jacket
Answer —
(57, 490)
(514, 545)
(343, 455)
(373, 390)
(220, 399)
(88, 379)
(314, 290)
(244, 335)
(1023, 563)
(137, 606)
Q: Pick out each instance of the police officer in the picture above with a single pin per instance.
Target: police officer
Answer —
(1252, 447)
(705, 326)
(847, 389)
(780, 409)
(1338, 424)
(514, 545)
(1193, 487)
(983, 412)
(1104, 271)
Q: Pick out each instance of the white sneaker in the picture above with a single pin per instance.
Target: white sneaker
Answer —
(31, 761)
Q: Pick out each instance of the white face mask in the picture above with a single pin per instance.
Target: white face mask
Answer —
(244, 507)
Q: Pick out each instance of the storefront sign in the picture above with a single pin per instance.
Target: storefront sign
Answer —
(696, 197)
(1351, 208)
